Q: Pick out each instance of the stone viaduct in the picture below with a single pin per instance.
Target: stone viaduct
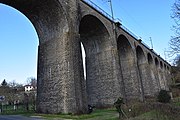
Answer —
(117, 63)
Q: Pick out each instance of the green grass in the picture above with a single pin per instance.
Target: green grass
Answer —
(152, 115)
(105, 114)
(176, 101)
(9, 110)
(97, 114)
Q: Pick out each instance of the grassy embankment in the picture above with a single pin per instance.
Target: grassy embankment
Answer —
(137, 112)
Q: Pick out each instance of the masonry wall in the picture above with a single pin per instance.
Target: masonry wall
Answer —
(102, 72)
(62, 88)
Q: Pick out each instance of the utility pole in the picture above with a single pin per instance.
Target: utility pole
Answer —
(112, 13)
(115, 35)
(112, 16)
(151, 42)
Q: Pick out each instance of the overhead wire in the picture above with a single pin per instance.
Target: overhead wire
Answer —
(105, 4)
(140, 26)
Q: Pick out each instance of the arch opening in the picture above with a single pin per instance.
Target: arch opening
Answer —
(83, 54)
(161, 64)
(18, 47)
(18, 50)
(127, 63)
(158, 74)
(163, 82)
(142, 67)
(150, 59)
(154, 79)
(165, 66)
(95, 39)
(140, 55)
(156, 62)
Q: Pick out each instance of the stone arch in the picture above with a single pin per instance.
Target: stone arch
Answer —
(152, 76)
(140, 55)
(163, 75)
(161, 65)
(91, 27)
(100, 19)
(142, 67)
(150, 59)
(128, 67)
(46, 16)
(101, 86)
(157, 62)
(165, 66)
(168, 75)
(51, 24)
(159, 77)
(159, 73)
(168, 68)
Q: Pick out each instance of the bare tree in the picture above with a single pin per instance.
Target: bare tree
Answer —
(32, 81)
(177, 61)
(175, 40)
(176, 70)
(14, 84)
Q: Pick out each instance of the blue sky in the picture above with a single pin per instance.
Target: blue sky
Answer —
(145, 18)
(18, 46)
(19, 41)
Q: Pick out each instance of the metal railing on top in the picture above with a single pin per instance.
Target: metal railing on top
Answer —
(96, 7)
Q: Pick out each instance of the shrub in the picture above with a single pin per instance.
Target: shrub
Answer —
(118, 104)
(164, 97)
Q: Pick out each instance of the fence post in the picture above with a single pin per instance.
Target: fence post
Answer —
(1, 110)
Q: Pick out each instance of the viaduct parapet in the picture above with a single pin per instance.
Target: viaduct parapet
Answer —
(117, 63)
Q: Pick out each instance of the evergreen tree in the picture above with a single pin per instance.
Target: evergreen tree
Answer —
(4, 83)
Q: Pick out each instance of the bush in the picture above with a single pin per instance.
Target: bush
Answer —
(164, 97)
(118, 104)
